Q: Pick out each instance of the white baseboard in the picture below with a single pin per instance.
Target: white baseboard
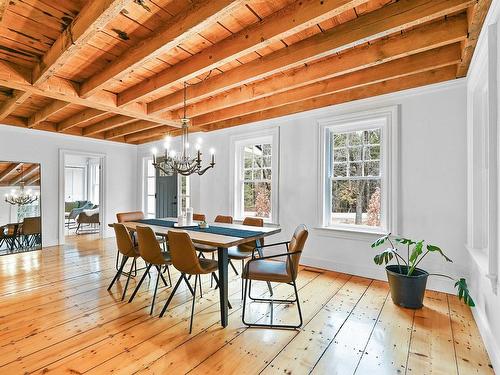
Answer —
(489, 341)
(376, 272)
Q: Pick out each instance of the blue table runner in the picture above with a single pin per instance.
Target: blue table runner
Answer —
(223, 231)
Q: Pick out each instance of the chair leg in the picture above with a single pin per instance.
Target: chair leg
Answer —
(187, 283)
(242, 266)
(171, 295)
(212, 277)
(196, 278)
(201, 291)
(128, 279)
(162, 277)
(233, 267)
(117, 276)
(244, 302)
(146, 272)
(217, 285)
(156, 288)
(168, 273)
(272, 301)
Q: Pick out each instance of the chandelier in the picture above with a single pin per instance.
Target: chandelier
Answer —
(21, 197)
(182, 163)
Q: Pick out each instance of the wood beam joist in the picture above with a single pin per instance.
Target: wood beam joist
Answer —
(85, 115)
(93, 17)
(17, 77)
(384, 21)
(10, 169)
(385, 87)
(289, 20)
(26, 173)
(9, 106)
(476, 14)
(418, 40)
(32, 180)
(156, 132)
(46, 112)
(429, 60)
(179, 28)
(108, 124)
(133, 127)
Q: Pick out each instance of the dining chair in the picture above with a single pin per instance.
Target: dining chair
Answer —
(123, 217)
(244, 251)
(31, 231)
(199, 217)
(185, 260)
(128, 250)
(212, 249)
(150, 251)
(266, 268)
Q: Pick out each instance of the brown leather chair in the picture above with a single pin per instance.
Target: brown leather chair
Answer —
(199, 217)
(32, 231)
(211, 249)
(265, 268)
(186, 261)
(123, 217)
(150, 251)
(128, 250)
(244, 251)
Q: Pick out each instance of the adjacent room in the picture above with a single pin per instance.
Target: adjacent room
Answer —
(249, 187)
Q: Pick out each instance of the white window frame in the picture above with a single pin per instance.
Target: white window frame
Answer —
(238, 143)
(179, 193)
(145, 161)
(387, 119)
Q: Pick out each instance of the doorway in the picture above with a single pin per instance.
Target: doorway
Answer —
(81, 195)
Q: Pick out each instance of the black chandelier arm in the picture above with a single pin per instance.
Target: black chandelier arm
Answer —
(200, 172)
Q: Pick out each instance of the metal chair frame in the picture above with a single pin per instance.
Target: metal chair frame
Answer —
(272, 301)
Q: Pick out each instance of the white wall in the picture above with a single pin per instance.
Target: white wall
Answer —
(19, 144)
(483, 240)
(433, 179)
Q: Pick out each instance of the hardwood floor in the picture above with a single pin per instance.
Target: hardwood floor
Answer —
(57, 317)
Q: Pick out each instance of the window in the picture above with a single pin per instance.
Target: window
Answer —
(94, 182)
(358, 192)
(256, 182)
(149, 188)
(184, 193)
(75, 183)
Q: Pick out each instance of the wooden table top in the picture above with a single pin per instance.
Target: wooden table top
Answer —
(211, 239)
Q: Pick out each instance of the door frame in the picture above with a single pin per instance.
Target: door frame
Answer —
(102, 188)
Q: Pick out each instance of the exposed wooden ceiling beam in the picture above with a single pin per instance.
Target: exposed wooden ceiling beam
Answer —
(398, 84)
(9, 170)
(173, 32)
(91, 19)
(33, 179)
(429, 60)
(159, 131)
(3, 7)
(289, 20)
(46, 112)
(384, 21)
(16, 77)
(24, 174)
(133, 127)
(85, 115)
(476, 14)
(424, 38)
(9, 106)
(107, 124)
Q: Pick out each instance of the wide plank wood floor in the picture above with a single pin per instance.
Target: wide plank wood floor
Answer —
(57, 317)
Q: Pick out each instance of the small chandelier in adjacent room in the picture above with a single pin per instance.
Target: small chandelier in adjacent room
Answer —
(182, 163)
(21, 197)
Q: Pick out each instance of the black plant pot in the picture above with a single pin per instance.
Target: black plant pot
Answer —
(407, 291)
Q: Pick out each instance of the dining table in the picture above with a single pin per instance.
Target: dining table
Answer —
(219, 235)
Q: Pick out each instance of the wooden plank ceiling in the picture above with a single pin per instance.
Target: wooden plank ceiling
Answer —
(12, 173)
(114, 69)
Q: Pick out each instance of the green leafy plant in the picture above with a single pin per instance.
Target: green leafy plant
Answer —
(416, 251)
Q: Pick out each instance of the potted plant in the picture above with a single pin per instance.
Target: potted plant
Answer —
(406, 281)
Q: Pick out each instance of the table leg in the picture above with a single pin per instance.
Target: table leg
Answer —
(223, 265)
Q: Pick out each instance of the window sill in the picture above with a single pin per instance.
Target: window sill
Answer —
(350, 234)
(480, 256)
